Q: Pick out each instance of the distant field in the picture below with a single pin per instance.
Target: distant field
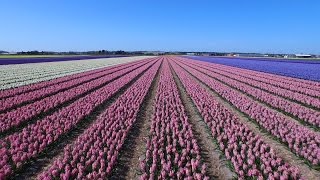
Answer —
(265, 58)
(34, 56)
(24, 59)
(22, 74)
(303, 69)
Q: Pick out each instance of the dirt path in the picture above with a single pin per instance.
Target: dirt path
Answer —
(128, 166)
(40, 163)
(210, 153)
(281, 150)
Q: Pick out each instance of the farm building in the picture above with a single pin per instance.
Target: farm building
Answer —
(303, 55)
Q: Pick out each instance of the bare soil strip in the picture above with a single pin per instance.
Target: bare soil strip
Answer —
(276, 110)
(35, 166)
(210, 153)
(53, 110)
(281, 150)
(134, 147)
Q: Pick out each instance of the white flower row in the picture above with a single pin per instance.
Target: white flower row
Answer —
(23, 74)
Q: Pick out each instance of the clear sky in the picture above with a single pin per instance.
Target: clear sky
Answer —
(274, 26)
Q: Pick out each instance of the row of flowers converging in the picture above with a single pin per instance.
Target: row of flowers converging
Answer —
(299, 139)
(264, 94)
(18, 148)
(250, 156)
(14, 117)
(171, 150)
(23, 74)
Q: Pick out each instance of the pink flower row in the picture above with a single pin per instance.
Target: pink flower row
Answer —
(34, 138)
(304, 113)
(16, 100)
(283, 81)
(296, 96)
(277, 81)
(32, 87)
(22, 114)
(299, 139)
(172, 151)
(94, 153)
(250, 156)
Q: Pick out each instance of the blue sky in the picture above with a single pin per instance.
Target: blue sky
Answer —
(274, 26)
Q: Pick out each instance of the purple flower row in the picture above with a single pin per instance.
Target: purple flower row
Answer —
(172, 151)
(301, 140)
(250, 156)
(94, 153)
(302, 112)
(34, 138)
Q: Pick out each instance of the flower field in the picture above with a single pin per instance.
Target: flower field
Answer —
(165, 117)
(303, 69)
(24, 74)
(40, 59)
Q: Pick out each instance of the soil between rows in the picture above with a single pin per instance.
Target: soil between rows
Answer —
(209, 151)
(280, 149)
(134, 147)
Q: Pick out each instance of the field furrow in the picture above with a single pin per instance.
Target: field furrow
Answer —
(95, 152)
(301, 140)
(165, 117)
(249, 155)
(27, 97)
(209, 149)
(35, 138)
(172, 150)
(23, 74)
(25, 114)
(127, 166)
(254, 75)
(302, 113)
(300, 98)
(45, 84)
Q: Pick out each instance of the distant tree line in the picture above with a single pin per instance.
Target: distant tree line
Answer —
(99, 52)
(35, 53)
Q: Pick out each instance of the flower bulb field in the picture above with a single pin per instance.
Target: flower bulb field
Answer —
(158, 117)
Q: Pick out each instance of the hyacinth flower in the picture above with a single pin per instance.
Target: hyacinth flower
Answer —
(49, 129)
(304, 113)
(172, 151)
(95, 152)
(284, 129)
(20, 75)
(249, 155)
